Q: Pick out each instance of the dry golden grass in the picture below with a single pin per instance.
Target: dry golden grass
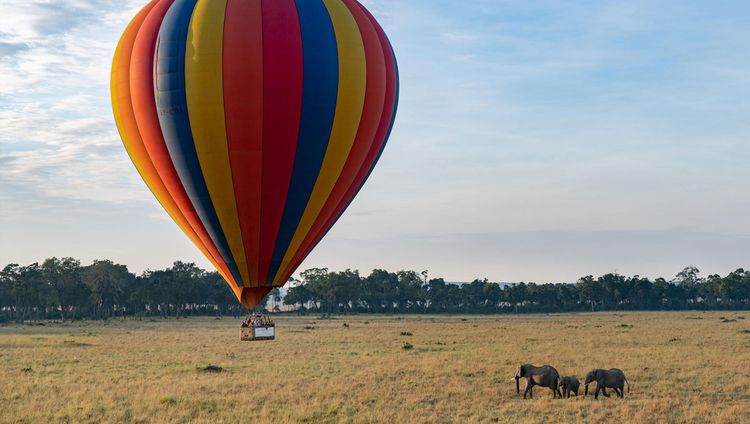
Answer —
(683, 367)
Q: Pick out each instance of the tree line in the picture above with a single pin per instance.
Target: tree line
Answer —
(409, 291)
(63, 288)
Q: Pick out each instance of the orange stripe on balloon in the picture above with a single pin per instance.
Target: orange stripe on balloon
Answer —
(144, 106)
(243, 109)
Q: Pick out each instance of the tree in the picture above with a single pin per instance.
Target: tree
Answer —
(492, 294)
(108, 283)
(688, 276)
(517, 295)
(23, 286)
(589, 290)
(298, 295)
(410, 293)
(63, 277)
(317, 281)
(735, 287)
(384, 284)
(473, 294)
(437, 295)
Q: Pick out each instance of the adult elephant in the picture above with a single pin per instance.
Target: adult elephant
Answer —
(612, 378)
(545, 376)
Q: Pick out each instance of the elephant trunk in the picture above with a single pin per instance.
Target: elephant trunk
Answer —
(518, 385)
(586, 390)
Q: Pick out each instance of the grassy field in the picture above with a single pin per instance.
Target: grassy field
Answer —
(683, 367)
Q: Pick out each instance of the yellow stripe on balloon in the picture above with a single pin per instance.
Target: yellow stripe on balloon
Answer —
(122, 108)
(349, 104)
(204, 87)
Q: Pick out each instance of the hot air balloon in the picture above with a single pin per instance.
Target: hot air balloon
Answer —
(254, 123)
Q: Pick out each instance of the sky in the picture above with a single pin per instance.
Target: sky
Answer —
(535, 141)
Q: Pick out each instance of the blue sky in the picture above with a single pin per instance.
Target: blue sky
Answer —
(536, 141)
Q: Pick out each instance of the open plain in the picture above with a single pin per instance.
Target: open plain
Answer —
(682, 367)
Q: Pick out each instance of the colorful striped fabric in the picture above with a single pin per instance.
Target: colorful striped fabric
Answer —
(254, 123)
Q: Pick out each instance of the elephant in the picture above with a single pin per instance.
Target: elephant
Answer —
(545, 376)
(612, 378)
(569, 384)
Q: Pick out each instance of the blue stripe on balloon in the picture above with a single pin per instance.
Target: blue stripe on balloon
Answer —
(319, 94)
(171, 102)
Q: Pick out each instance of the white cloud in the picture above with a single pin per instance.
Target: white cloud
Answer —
(75, 160)
(57, 135)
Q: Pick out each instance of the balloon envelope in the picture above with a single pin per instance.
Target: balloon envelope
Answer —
(254, 123)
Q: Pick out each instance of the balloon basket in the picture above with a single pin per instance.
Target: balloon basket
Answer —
(257, 333)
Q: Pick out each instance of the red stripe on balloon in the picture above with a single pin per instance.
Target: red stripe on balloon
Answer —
(243, 109)
(366, 134)
(282, 103)
(387, 117)
(144, 106)
(374, 152)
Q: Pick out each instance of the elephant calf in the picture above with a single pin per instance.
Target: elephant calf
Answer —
(545, 376)
(569, 384)
(612, 378)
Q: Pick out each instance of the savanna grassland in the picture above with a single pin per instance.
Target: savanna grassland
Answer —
(682, 367)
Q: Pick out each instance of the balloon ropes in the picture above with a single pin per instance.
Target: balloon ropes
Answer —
(254, 123)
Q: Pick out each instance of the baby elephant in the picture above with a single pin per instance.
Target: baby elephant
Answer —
(569, 384)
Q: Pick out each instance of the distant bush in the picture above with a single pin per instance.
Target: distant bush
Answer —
(211, 368)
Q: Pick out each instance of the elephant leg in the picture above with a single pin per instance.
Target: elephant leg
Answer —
(596, 391)
(527, 391)
(557, 390)
(620, 392)
(604, 390)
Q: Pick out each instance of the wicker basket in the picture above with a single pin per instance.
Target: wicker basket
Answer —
(252, 333)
